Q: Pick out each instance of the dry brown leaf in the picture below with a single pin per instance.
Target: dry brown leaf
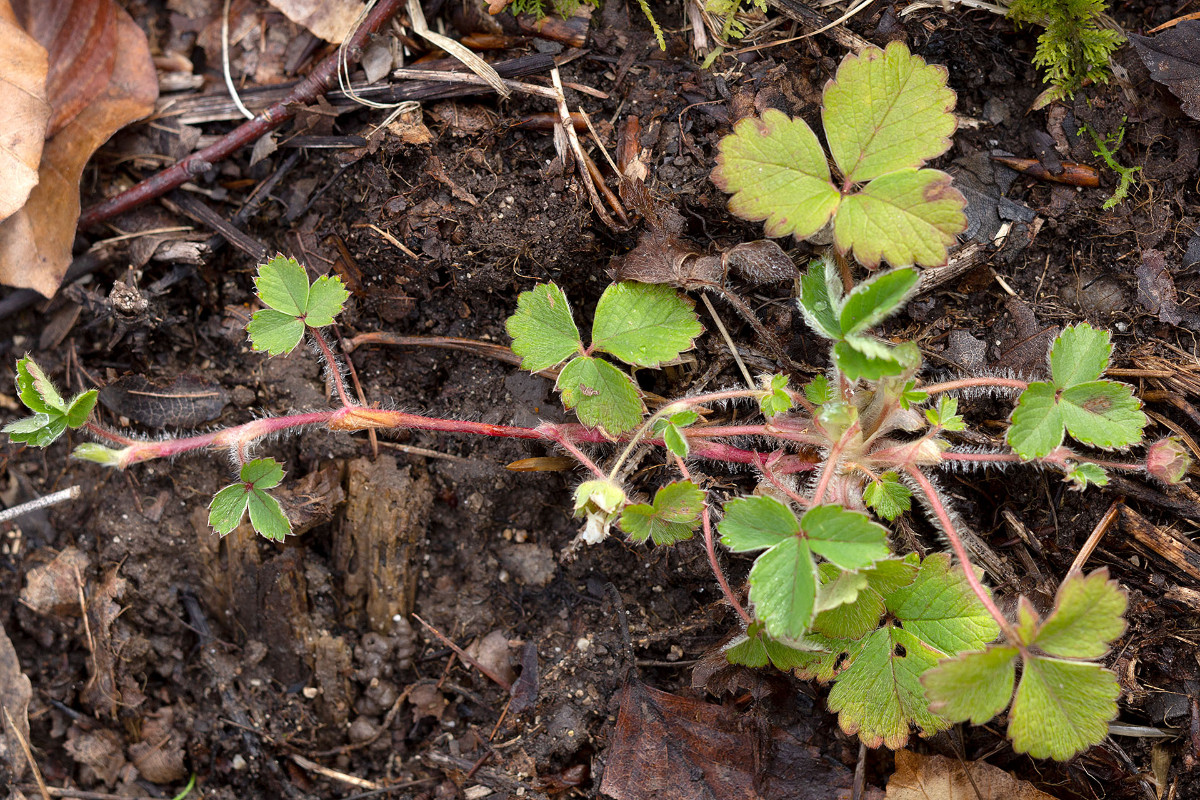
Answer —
(35, 242)
(54, 588)
(80, 38)
(15, 693)
(23, 97)
(919, 777)
(330, 20)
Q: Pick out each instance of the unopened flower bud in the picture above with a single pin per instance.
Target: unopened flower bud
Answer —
(1167, 460)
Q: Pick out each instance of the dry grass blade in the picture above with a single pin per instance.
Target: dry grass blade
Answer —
(471, 61)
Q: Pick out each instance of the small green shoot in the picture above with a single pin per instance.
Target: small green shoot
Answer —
(266, 515)
(887, 496)
(1101, 413)
(945, 415)
(776, 400)
(52, 415)
(1106, 149)
(292, 305)
(885, 114)
(846, 318)
(671, 431)
(672, 518)
(1064, 700)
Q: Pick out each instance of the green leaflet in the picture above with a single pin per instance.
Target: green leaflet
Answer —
(877, 669)
(885, 114)
(886, 110)
(644, 324)
(847, 539)
(601, 395)
(776, 400)
(293, 304)
(673, 517)
(542, 330)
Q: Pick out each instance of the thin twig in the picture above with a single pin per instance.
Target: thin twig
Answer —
(268, 119)
(496, 679)
(41, 502)
(1093, 540)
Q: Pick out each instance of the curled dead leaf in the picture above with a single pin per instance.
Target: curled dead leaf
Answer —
(919, 777)
(15, 693)
(35, 242)
(23, 68)
(53, 588)
(330, 20)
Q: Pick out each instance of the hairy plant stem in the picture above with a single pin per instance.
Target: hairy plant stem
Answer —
(1059, 458)
(943, 517)
(831, 462)
(335, 374)
(970, 383)
(710, 548)
(358, 418)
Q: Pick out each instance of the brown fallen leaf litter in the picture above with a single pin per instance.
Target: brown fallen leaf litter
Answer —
(139, 650)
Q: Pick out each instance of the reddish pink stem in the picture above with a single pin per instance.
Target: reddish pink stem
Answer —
(710, 548)
(331, 364)
(969, 383)
(943, 517)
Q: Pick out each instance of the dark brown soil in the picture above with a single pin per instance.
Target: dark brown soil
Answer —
(265, 659)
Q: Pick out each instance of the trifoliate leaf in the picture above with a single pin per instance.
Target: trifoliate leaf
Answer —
(52, 415)
(776, 171)
(267, 517)
(1061, 707)
(97, 454)
(326, 298)
(819, 301)
(1037, 423)
(282, 284)
(886, 110)
(602, 395)
(274, 332)
(756, 523)
(1086, 473)
(644, 324)
(874, 300)
(542, 330)
(777, 400)
(946, 415)
(672, 518)
(227, 508)
(783, 588)
(1103, 413)
(1089, 613)
(1079, 354)
(888, 497)
(906, 217)
(819, 391)
(36, 390)
(973, 686)
(848, 539)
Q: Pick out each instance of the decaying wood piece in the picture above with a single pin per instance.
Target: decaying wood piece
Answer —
(1179, 554)
(377, 548)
